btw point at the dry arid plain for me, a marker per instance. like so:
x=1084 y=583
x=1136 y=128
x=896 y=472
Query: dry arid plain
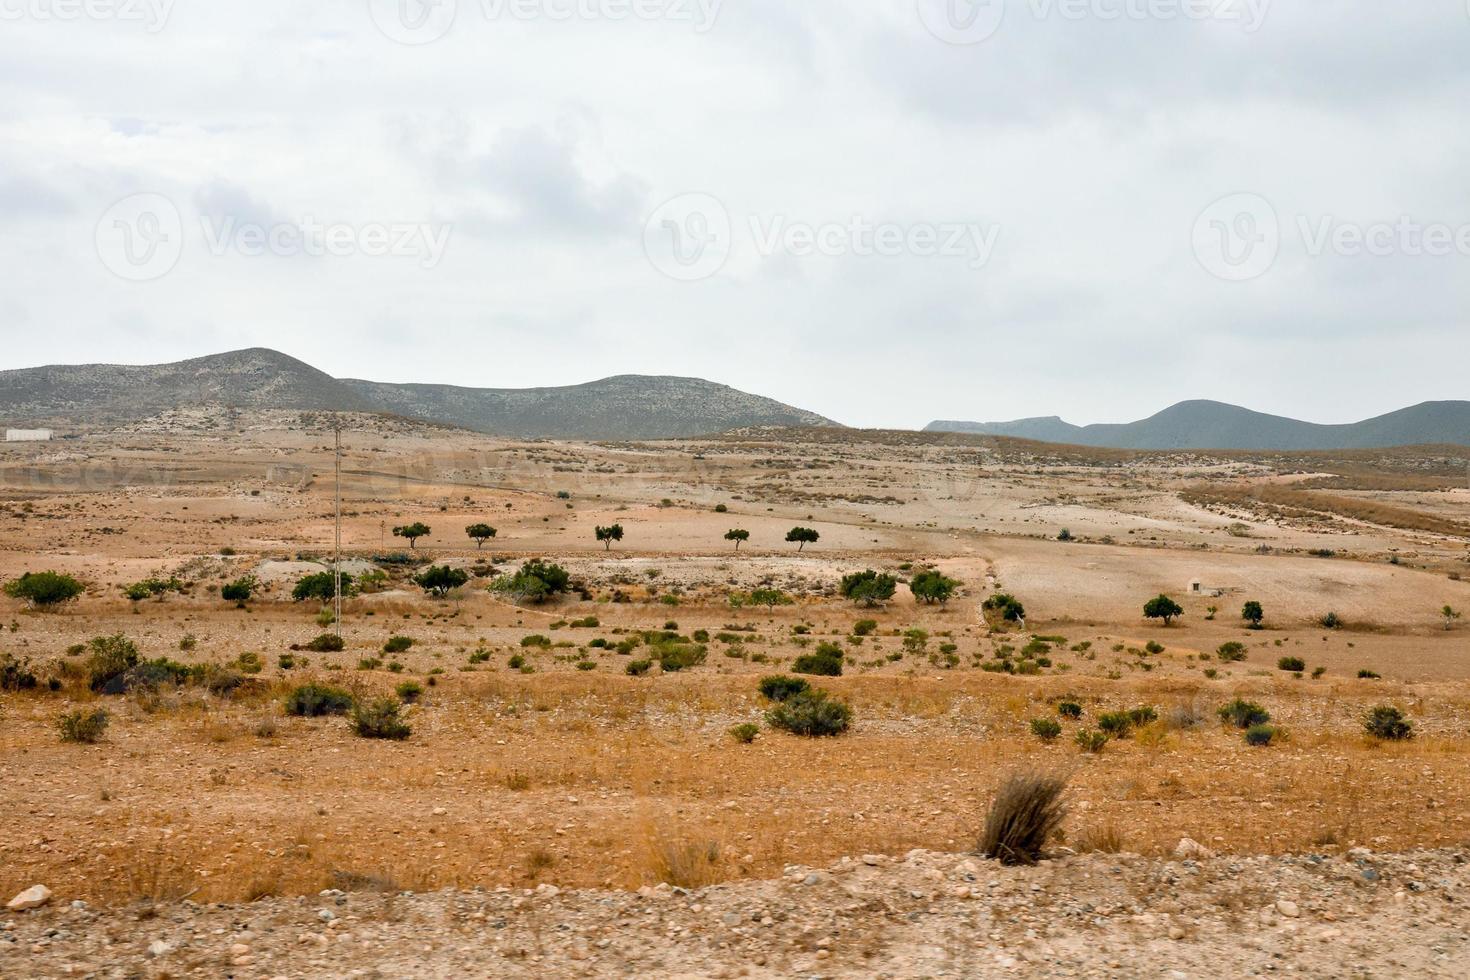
x=551 y=813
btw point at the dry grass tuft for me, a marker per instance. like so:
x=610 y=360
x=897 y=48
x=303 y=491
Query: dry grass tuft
x=1026 y=813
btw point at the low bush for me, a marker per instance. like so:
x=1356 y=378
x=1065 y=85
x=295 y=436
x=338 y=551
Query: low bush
x=826 y=661
x=637 y=668
x=1026 y=813
x=674 y=657
x=315 y=700
x=812 y=713
x=1261 y=735
x=1243 y=714
x=1069 y=709
x=1045 y=729
x=111 y=657
x=1293 y=664
x=1116 y=723
x=779 y=687
x=379 y=719
x=16 y=674
x=326 y=643
x=745 y=733
x=865 y=627
x=1387 y=722
x=1089 y=740
x=82 y=727
x=409 y=691
x=1231 y=652
x=1368 y=675
x=398 y=644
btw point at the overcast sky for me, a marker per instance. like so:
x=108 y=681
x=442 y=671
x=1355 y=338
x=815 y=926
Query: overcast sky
x=886 y=211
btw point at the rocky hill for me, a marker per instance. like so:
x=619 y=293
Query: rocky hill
x=1215 y=425
x=626 y=407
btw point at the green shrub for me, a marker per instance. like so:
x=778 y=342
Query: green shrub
x=516 y=662
x=1243 y=714
x=398 y=644
x=745 y=733
x=869 y=587
x=865 y=627
x=1069 y=709
x=379 y=719
x=82 y=727
x=111 y=657
x=440 y=580
x=1154 y=647
x=1045 y=729
x=321 y=586
x=1294 y=664
x=409 y=691
x=240 y=591
x=44 y=589
x=811 y=713
x=1261 y=735
x=326 y=643
x=637 y=668
x=778 y=687
x=316 y=700
x=536 y=582
x=1387 y=722
x=1331 y=621
x=1143 y=716
x=1089 y=740
x=1368 y=675
x=16 y=674
x=1231 y=651
x=674 y=657
x=1116 y=723
x=825 y=661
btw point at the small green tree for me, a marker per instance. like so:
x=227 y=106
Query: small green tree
x=1008 y=606
x=868 y=588
x=321 y=586
x=738 y=535
x=240 y=591
x=44 y=589
x=932 y=586
x=480 y=533
x=536 y=582
x=1252 y=613
x=607 y=535
x=802 y=536
x=412 y=532
x=770 y=598
x=1450 y=614
x=1162 y=607
x=440 y=580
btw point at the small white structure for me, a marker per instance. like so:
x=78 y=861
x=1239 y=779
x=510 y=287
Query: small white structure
x=27 y=435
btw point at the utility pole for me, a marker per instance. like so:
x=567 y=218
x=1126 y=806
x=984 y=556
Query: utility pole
x=337 y=543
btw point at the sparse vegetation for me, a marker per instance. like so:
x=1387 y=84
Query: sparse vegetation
x=811 y=713
x=1024 y=816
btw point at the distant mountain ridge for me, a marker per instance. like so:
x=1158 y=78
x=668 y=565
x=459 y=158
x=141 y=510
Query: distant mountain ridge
x=1215 y=425
x=624 y=407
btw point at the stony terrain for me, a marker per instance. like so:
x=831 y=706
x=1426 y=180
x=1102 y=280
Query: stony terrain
x=538 y=771
x=922 y=914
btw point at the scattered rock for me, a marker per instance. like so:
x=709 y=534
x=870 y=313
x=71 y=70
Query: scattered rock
x=32 y=898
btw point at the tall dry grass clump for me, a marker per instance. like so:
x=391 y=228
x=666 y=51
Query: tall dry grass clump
x=1026 y=813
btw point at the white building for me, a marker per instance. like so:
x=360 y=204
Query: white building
x=27 y=435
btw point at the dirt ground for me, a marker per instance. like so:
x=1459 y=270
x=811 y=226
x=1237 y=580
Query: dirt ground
x=565 y=772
